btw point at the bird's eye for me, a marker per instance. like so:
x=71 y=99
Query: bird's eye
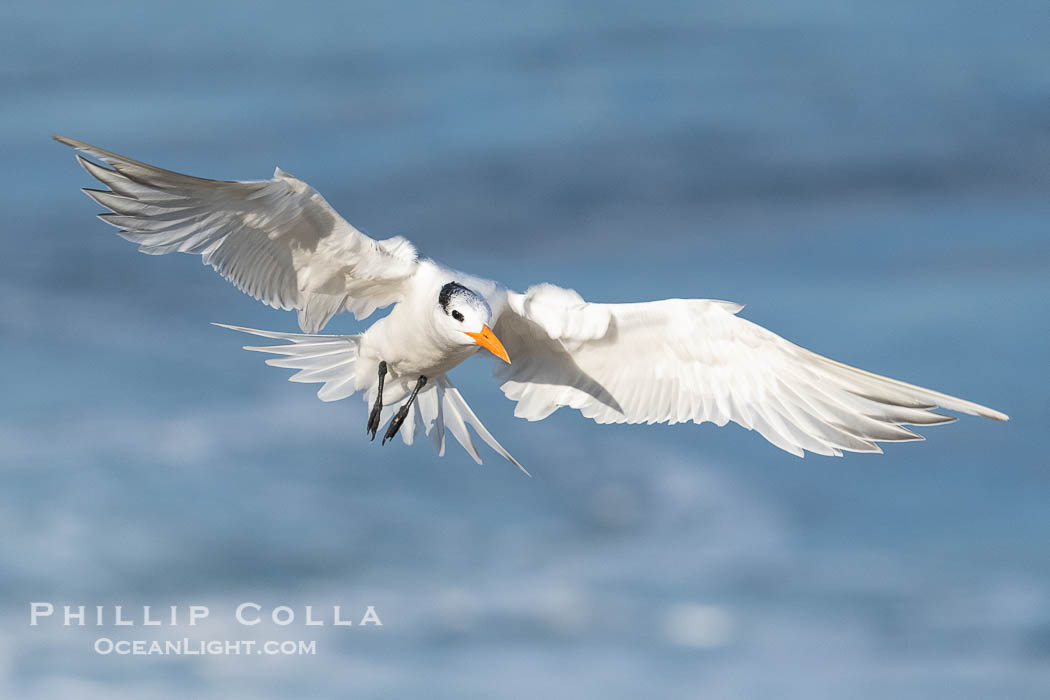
x=458 y=316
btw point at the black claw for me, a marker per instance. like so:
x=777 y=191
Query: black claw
x=395 y=424
x=402 y=413
x=373 y=421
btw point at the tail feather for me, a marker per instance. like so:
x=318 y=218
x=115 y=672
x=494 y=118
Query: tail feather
x=332 y=360
x=327 y=359
x=455 y=401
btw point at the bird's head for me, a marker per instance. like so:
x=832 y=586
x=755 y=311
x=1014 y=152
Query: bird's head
x=464 y=315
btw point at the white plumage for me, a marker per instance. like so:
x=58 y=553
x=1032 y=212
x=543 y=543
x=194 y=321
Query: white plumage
x=277 y=240
x=669 y=361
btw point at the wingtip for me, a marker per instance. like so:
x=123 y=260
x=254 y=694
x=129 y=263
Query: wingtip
x=72 y=143
x=976 y=409
x=985 y=412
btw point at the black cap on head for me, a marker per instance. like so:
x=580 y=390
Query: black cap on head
x=452 y=289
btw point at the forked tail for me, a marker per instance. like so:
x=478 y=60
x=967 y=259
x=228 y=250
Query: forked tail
x=332 y=360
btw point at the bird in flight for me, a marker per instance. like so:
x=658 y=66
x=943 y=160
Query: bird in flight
x=668 y=361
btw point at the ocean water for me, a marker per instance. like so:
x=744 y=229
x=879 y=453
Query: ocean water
x=870 y=179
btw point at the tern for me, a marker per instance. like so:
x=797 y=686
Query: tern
x=668 y=361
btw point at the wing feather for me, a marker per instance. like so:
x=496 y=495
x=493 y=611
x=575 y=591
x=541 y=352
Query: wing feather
x=695 y=360
x=277 y=240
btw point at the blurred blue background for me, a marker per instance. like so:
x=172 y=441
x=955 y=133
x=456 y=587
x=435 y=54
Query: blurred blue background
x=871 y=179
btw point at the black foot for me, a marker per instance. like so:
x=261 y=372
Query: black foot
x=377 y=409
x=402 y=413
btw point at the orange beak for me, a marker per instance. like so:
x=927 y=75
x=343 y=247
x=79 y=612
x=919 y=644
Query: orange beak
x=488 y=340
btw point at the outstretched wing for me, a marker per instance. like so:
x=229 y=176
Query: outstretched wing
x=695 y=360
x=277 y=240
x=332 y=360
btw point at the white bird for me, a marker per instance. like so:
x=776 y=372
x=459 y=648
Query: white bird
x=668 y=361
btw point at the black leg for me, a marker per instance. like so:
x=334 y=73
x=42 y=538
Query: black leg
x=377 y=409
x=399 y=417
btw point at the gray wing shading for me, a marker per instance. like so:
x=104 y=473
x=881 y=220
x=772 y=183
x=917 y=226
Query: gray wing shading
x=695 y=360
x=277 y=240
